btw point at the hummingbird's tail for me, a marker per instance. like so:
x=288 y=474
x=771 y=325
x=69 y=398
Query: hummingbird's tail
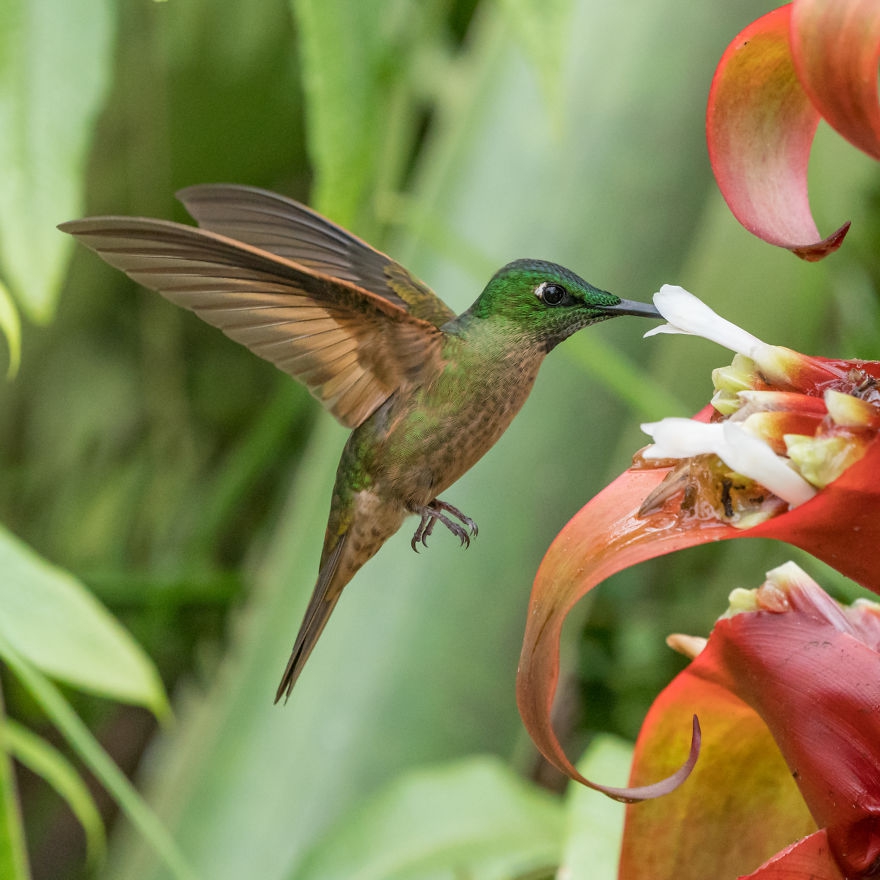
x=324 y=598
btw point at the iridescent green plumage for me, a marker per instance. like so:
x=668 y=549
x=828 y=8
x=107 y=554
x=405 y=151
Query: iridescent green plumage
x=425 y=392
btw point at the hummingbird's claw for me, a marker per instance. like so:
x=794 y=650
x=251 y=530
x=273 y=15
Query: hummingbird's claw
x=420 y=535
x=423 y=532
x=436 y=512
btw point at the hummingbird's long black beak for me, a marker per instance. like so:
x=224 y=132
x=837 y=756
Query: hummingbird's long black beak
x=631 y=307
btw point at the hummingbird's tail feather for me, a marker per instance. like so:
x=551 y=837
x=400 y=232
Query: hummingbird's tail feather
x=317 y=614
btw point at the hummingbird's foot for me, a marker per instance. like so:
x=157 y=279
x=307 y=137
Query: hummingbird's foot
x=436 y=512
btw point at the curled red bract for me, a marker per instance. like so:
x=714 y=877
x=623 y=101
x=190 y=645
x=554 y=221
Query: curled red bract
x=807 y=60
x=840 y=525
x=608 y=535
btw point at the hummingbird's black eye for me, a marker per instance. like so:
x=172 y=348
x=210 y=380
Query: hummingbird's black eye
x=551 y=293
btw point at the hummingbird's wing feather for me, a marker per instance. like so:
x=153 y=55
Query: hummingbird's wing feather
x=351 y=347
x=284 y=227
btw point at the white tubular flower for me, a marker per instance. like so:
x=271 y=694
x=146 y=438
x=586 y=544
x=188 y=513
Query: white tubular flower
x=689 y=315
x=779 y=365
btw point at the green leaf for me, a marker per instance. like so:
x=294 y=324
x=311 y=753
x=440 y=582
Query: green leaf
x=54 y=66
x=595 y=823
x=10 y=327
x=473 y=818
x=13 y=854
x=348 y=64
x=45 y=760
x=80 y=739
x=53 y=621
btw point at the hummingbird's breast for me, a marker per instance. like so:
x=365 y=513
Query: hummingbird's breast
x=429 y=437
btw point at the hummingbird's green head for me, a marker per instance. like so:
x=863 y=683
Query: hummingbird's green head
x=548 y=302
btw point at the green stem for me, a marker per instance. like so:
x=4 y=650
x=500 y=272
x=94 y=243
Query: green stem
x=13 y=853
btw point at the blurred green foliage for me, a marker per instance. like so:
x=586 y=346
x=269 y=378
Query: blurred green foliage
x=186 y=483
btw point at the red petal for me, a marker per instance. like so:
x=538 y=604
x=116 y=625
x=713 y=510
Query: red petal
x=739 y=807
x=772 y=427
x=840 y=526
x=836 y=49
x=760 y=126
x=604 y=538
x=808 y=859
x=805 y=671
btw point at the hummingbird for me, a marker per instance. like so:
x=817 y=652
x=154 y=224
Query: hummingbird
x=425 y=392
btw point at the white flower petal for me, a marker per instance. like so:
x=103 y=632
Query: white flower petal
x=687 y=314
x=681 y=438
x=736 y=447
x=665 y=328
x=753 y=458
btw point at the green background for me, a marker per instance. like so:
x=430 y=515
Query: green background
x=186 y=484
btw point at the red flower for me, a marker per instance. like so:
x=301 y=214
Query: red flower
x=787 y=689
x=832 y=510
x=808 y=60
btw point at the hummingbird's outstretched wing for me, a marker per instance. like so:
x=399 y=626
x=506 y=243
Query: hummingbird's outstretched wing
x=352 y=347
x=284 y=227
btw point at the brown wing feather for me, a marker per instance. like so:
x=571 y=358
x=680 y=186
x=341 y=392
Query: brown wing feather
x=284 y=227
x=351 y=347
